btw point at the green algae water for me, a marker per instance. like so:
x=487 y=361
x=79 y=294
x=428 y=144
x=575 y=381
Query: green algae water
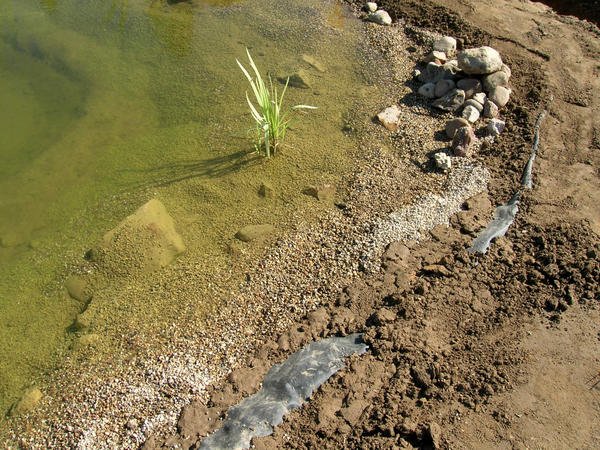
x=106 y=104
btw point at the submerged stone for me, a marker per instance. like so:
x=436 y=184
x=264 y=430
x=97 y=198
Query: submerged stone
x=143 y=242
x=253 y=232
x=28 y=401
x=78 y=289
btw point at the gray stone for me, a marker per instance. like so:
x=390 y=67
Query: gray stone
x=500 y=96
x=442 y=87
x=380 y=17
x=455 y=124
x=452 y=101
x=371 y=7
x=471 y=86
x=389 y=117
x=506 y=70
x=491 y=81
x=470 y=113
x=463 y=142
x=427 y=90
x=442 y=161
x=254 y=232
x=495 y=127
x=490 y=109
x=475 y=104
x=479 y=61
x=434 y=72
x=446 y=44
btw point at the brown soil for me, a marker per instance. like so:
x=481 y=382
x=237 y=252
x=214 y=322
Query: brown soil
x=500 y=351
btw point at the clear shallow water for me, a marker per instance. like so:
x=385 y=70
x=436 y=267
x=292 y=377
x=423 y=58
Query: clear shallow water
x=109 y=103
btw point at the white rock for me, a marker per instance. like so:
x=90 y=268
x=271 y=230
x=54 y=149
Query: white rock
x=427 y=90
x=380 y=17
x=371 y=6
x=495 y=127
x=446 y=44
x=416 y=73
x=475 y=104
x=480 y=98
x=479 y=61
x=389 y=117
x=470 y=113
x=506 y=70
x=442 y=161
x=500 y=96
x=442 y=87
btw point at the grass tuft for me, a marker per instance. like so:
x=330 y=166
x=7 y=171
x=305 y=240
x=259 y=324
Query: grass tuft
x=271 y=122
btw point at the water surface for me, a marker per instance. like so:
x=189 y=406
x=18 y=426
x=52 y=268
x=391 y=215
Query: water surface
x=106 y=104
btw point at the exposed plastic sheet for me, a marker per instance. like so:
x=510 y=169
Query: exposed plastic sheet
x=285 y=387
x=503 y=218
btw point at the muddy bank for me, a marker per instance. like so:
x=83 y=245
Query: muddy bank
x=499 y=351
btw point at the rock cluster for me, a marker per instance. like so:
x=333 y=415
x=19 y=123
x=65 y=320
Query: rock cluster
x=472 y=83
x=377 y=15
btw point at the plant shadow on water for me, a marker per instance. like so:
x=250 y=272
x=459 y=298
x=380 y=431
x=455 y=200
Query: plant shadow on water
x=177 y=171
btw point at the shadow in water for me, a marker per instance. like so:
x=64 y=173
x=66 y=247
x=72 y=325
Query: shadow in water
x=175 y=172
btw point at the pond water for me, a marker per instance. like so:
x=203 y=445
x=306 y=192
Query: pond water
x=107 y=103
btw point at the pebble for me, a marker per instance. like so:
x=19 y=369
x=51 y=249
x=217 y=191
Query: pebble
x=442 y=161
x=446 y=44
x=479 y=61
x=475 y=104
x=436 y=56
x=500 y=96
x=389 y=116
x=495 y=127
x=471 y=113
x=266 y=190
x=462 y=144
x=442 y=87
x=371 y=7
x=491 y=81
x=380 y=17
x=471 y=86
x=506 y=70
x=452 y=101
x=480 y=98
x=323 y=193
x=454 y=124
x=428 y=90
x=490 y=109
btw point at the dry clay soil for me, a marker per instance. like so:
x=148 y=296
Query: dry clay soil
x=500 y=351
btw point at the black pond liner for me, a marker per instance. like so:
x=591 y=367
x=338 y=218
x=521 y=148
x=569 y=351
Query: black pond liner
x=285 y=387
x=504 y=215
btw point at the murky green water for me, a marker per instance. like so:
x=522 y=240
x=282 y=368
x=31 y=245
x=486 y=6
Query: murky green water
x=107 y=103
